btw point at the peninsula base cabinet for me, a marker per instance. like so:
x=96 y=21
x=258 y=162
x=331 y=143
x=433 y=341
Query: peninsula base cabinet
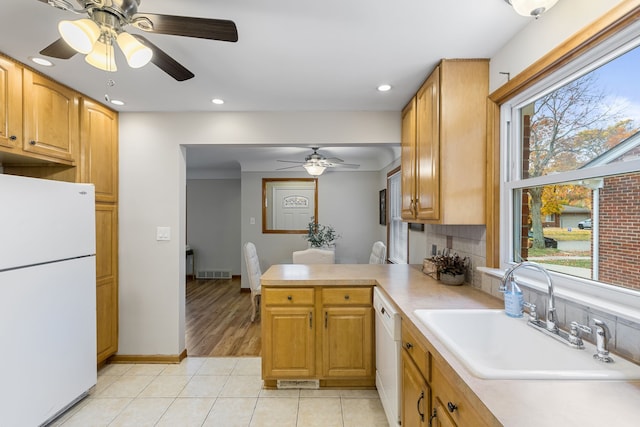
x=318 y=333
x=430 y=396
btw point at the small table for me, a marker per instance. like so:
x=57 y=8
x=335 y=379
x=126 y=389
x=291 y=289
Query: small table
x=191 y=254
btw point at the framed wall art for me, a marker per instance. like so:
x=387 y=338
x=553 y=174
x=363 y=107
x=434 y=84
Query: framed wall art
x=383 y=207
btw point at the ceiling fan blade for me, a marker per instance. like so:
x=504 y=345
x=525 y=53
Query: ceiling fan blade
x=291 y=161
x=64 y=5
x=346 y=165
x=203 y=28
x=165 y=62
x=289 y=167
x=59 y=49
x=334 y=159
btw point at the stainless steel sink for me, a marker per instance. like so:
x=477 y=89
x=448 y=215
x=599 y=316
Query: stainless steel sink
x=494 y=346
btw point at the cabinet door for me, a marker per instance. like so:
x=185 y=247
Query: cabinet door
x=347 y=342
x=288 y=342
x=408 y=159
x=428 y=148
x=440 y=416
x=106 y=280
x=50 y=119
x=456 y=404
x=415 y=395
x=99 y=149
x=10 y=104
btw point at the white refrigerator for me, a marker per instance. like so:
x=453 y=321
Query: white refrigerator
x=47 y=298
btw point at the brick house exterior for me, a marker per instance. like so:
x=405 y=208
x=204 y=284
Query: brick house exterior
x=619 y=231
x=619 y=219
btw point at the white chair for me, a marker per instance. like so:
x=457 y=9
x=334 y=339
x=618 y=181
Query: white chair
x=378 y=253
x=253 y=269
x=314 y=256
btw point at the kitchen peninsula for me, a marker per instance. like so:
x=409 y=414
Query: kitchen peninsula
x=488 y=402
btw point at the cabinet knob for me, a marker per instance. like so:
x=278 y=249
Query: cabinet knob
x=32 y=142
x=451 y=406
x=289 y=297
x=408 y=346
x=346 y=297
x=13 y=137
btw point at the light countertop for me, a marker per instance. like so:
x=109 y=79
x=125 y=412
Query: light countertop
x=510 y=402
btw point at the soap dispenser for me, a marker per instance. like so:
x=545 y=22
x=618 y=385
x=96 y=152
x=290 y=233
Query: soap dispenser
x=513 y=300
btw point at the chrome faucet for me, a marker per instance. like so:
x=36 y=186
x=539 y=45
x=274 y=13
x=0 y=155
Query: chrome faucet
x=551 y=323
x=602 y=337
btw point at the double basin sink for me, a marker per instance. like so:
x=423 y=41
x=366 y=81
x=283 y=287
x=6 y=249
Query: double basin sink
x=494 y=346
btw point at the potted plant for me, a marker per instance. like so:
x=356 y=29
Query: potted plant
x=320 y=236
x=450 y=268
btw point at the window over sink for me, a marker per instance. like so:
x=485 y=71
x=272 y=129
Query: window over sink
x=570 y=146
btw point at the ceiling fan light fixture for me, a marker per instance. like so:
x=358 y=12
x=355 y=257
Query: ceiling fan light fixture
x=314 y=169
x=533 y=8
x=137 y=54
x=102 y=56
x=81 y=34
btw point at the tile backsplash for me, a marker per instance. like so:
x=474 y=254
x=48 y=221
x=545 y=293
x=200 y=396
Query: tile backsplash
x=465 y=240
x=470 y=240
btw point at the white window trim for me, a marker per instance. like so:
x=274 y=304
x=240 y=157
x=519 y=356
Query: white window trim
x=618 y=301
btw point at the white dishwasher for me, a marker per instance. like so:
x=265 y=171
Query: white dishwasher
x=388 y=347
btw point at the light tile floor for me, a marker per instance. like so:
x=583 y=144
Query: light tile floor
x=214 y=391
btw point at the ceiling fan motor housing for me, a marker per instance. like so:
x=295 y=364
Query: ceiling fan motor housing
x=123 y=10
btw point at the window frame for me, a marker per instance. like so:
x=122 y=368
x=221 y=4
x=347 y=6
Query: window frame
x=613 y=299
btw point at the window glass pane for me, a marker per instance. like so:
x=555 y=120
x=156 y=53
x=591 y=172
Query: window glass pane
x=595 y=232
x=398 y=230
x=585 y=123
x=576 y=199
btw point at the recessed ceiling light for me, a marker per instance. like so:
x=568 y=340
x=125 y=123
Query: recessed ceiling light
x=217 y=101
x=117 y=102
x=41 y=61
x=384 y=88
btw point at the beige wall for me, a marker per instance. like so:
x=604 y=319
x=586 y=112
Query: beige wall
x=152 y=176
x=152 y=194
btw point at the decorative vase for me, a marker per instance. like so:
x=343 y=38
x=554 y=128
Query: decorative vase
x=449 y=279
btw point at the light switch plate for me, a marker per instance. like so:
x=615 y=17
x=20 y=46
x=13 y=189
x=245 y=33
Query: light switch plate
x=163 y=233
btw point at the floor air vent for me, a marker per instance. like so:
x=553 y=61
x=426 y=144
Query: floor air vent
x=306 y=384
x=213 y=274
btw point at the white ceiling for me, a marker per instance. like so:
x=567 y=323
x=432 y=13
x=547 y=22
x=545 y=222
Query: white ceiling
x=292 y=55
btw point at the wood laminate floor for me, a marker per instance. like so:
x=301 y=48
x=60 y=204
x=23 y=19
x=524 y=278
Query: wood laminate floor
x=218 y=319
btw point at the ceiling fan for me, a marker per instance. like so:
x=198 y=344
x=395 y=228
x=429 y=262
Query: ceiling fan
x=316 y=163
x=105 y=26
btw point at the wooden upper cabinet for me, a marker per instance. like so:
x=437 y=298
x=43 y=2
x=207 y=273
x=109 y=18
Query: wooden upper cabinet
x=444 y=180
x=50 y=117
x=464 y=89
x=408 y=159
x=420 y=153
x=99 y=149
x=428 y=148
x=10 y=104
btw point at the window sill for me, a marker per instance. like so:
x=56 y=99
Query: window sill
x=620 y=302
